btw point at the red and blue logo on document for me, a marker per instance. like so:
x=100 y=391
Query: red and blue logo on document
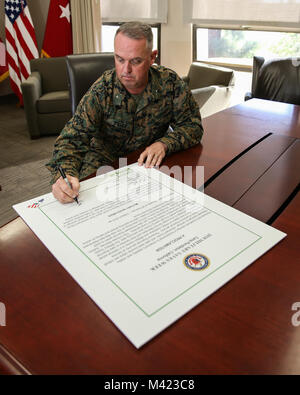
x=196 y=261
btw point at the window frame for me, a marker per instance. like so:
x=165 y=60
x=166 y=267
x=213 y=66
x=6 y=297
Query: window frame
x=155 y=25
x=232 y=65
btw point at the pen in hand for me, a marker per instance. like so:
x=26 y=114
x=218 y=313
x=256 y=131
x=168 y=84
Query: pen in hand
x=62 y=173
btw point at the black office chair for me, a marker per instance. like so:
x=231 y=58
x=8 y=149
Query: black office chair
x=276 y=79
x=83 y=70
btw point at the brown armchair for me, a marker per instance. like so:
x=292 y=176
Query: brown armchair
x=211 y=87
x=46 y=97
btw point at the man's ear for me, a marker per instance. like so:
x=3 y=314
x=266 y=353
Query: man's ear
x=153 y=56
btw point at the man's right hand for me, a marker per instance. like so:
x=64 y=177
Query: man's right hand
x=62 y=192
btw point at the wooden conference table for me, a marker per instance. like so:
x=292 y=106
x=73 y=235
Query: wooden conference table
x=251 y=156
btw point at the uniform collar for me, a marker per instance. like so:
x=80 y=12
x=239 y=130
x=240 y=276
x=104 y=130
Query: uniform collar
x=150 y=94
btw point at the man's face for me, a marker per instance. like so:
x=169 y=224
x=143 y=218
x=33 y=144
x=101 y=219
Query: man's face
x=133 y=60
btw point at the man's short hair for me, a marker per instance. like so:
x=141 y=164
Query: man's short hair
x=137 y=31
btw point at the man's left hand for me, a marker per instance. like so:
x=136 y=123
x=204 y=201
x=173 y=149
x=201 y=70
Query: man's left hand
x=154 y=154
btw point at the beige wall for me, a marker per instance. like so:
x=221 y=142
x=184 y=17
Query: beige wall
x=39 y=11
x=176 y=40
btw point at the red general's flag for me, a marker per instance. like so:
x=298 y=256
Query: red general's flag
x=58 y=33
x=3 y=64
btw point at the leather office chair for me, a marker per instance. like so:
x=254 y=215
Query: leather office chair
x=275 y=79
x=211 y=87
x=83 y=71
x=46 y=97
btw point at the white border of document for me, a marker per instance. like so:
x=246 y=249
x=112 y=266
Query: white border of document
x=142 y=308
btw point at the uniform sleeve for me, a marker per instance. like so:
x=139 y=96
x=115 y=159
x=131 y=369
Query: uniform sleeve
x=186 y=126
x=73 y=143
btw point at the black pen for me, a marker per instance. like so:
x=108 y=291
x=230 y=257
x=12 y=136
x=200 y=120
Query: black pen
x=62 y=173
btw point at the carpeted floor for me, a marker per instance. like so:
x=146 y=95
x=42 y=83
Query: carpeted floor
x=22 y=161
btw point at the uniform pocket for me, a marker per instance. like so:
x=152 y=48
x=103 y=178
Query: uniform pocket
x=116 y=131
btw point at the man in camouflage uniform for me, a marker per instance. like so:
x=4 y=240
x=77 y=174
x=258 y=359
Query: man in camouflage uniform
x=128 y=107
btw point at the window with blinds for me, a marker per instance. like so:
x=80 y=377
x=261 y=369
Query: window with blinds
x=231 y=32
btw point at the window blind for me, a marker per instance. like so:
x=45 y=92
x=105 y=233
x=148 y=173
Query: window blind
x=150 y=11
x=243 y=13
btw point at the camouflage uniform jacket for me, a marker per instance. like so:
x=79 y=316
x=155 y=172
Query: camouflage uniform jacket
x=108 y=123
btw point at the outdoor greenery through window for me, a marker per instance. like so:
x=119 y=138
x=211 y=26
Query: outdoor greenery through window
x=239 y=46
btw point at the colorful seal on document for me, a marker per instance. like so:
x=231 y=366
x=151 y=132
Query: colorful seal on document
x=196 y=261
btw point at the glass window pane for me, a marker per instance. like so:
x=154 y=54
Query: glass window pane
x=107 y=37
x=240 y=46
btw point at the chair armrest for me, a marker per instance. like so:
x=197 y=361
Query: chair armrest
x=32 y=87
x=32 y=91
x=248 y=96
x=212 y=99
x=201 y=95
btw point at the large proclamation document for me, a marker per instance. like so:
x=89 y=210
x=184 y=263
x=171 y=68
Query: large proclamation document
x=146 y=247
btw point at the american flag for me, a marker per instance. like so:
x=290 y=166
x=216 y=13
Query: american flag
x=3 y=64
x=21 y=45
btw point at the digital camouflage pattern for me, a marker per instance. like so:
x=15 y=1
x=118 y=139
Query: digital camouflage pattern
x=109 y=122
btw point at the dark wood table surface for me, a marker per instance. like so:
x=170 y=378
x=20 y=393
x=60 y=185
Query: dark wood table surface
x=250 y=155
